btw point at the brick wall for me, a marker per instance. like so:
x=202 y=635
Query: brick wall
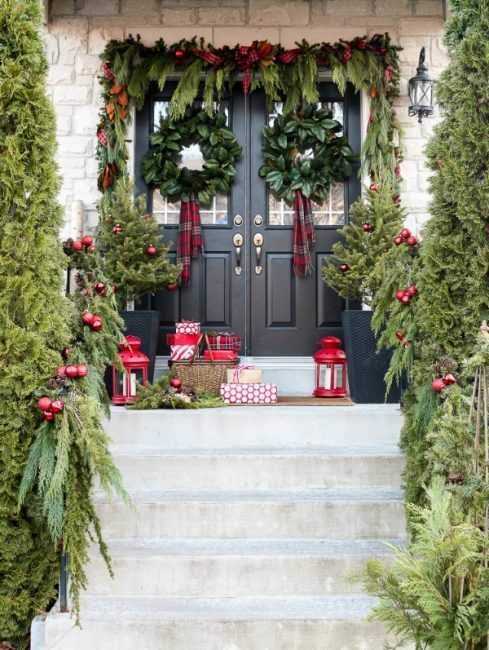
x=78 y=30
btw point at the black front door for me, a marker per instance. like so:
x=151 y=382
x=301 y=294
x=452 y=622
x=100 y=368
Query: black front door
x=244 y=282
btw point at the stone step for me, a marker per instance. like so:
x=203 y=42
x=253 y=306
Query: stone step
x=233 y=568
x=258 y=469
x=298 y=623
x=337 y=514
x=255 y=427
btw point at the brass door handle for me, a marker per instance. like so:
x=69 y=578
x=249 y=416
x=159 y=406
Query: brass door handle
x=238 y=243
x=258 y=243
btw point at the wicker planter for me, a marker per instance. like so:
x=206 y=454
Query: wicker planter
x=366 y=365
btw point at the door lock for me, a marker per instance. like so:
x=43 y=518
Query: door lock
x=258 y=243
x=258 y=220
x=238 y=220
x=238 y=243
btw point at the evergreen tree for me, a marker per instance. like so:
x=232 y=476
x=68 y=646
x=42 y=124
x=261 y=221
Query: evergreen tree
x=33 y=313
x=374 y=221
x=135 y=259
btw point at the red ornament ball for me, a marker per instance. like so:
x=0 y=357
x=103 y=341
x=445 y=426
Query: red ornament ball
x=87 y=318
x=399 y=294
x=173 y=286
x=176 y=383
x=344 y=268
x=71 y=372
x=437 y=385
x=179 y=54
x=374 y=187
x=100 y=288
x=97 y=324
x=47 y=416
x=151 y=250
x=57 y=406
x=87 y=241
x=61 y=371
x=449 y=379
x=117 y=229
x=398 y=241
x=81 y=370
x=44 y=403
x=405 y=299
x=400 y=335
x=405 y=234
x=411 y=241
x=412 y=291
x=77 y=245
x=367 y=227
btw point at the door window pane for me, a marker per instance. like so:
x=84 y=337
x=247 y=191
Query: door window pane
x=332 y=211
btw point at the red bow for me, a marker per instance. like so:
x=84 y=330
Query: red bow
x=209 y=57
x=248 y=55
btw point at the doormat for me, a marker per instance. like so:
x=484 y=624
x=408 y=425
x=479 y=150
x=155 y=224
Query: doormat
x=304 y=400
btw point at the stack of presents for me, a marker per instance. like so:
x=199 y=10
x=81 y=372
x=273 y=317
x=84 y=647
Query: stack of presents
x=243 y=383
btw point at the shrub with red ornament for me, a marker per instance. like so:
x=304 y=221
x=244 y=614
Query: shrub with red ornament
x=440 y=383
x=49 y=408
x=405 y=296
x=93 y=321
x=405 y=237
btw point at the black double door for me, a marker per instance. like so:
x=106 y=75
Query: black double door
x=244 y=282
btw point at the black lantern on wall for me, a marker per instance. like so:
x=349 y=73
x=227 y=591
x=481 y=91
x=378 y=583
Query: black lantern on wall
x=421 y=90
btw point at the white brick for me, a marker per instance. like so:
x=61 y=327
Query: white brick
x=393 y=8
x=72 y=95
x=221 y=16
x=149 y=35
x=51 y=47
x=87 y=64
x=85 y=120
x=98 y=38
x=439 y=54
x=73 y=168
x=72 y=35
x=97 y=7
x=60 y=74
x=289 y=35
x=140 y=8
x=179 y=16
x=63 y=124
x=421 y=26
x=349 y=7
x=85 y=190
x=62 y=7
x=264 y=12
x=429 y=8
x=74 y=145
x=92 y=168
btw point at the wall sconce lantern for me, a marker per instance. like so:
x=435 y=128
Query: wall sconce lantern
x=421 y=90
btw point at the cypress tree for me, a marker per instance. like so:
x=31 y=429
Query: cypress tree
x=33 y=312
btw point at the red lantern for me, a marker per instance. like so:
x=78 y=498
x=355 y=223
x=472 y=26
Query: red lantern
x=331 y=369
x=136 y=365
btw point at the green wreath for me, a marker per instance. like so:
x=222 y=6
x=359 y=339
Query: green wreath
x=304 y=152
x=220 y=150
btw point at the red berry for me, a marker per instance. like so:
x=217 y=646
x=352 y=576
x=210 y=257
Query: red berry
x=87 y=241
x=374 y=187
x=97 y=324
x=87 y=318
x=411 y=241
x=81 y=370
x=367 y=227
x=405 y=299
x=61 y=371
x=44 y=403
x=449 y=379
x=57 y=406
x=437 y=385
x=344 y=268
x=173 y=286
x=71 y=372
x=77 y=245
x=151 y=250
x=398 y=241
x=412 y=291
x=48 y=416
x=405 y=233
x=399 y=294
x=175 y=382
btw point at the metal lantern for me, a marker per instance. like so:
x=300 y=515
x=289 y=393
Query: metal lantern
x=135 y=364
x=421 y=90
x=331 y=369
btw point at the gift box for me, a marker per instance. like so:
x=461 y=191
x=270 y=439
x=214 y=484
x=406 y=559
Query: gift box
x=244 y=375
x=225 y=341
x=249 y=393
x=187 y=327
x=220 y=355
x=184 y=346
x=182 y=339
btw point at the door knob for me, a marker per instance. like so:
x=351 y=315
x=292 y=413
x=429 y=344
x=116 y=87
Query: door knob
x=238 y=243
x=258 y=243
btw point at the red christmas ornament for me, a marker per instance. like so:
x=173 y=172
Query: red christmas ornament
x=179 y=54
x=367 y=227
x=48 y=416
x=176 y=383
x=61 y=371
x=347 y=54
x=100 y=288
x=398 y=241
x=344 y=268
x=81 y=370
x=44 y=403
x=411 y=241
x=173 y=286
x=437 y=385
x=77 y=245
x=412 y=291
x=117 y=229
x=405 y=299
x=449 y=379
x=97 y=324
x=374 y=187
x=405 y=233
x=87 y=241
x=400 y=335
x=151 y=250
x=399 y=294
x=71 y=372
x=57 y=406
x=87 y=318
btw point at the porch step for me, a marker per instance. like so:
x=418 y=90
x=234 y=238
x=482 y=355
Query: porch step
x=241 y=469
x=338 y=514
x=236 y=568
x=298 y=623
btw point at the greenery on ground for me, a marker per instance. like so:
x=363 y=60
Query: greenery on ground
x=162 y=395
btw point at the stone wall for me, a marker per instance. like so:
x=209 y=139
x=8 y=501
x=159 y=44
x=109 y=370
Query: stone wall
x=78 y=30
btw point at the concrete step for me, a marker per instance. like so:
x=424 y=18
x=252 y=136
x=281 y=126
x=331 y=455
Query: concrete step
x=258 y=469
x=186 y=568
x=257 y=427
x=327 y=623
x=336 y=514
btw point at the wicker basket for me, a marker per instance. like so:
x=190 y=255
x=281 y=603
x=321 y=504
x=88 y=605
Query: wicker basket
x=202 y=375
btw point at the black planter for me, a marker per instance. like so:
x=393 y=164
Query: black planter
x=366 y=365
x=146 y=325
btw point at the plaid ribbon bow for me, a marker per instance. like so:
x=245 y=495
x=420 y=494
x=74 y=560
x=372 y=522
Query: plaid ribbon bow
x=189 y=238
x=304 y=235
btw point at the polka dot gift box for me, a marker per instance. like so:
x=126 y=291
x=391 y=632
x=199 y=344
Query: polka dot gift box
x=187 y=327
x=249 y=393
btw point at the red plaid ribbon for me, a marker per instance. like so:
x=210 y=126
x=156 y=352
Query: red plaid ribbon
x=304 y=235
x=189 y=238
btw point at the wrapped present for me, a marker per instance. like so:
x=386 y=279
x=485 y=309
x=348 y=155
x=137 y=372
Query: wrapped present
x=187 y=327
x=220 y=355
x=249 y=393
x=244 y=374
x=225 y=341
x=182 y=339
x=185 y=347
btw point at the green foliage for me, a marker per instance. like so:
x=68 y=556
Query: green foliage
x=33 y=314
x=160 y=395
x=288 y=166
x=126 y=263
x=362 y=250
x=220 y=151
x=436 y=592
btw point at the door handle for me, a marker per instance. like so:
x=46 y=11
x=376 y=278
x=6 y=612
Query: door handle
x=258 y=243
x=238 y=243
